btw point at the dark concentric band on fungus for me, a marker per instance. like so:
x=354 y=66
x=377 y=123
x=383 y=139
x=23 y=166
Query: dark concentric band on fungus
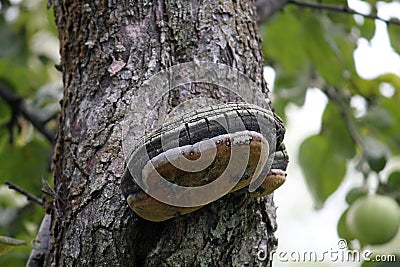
x=212 y=123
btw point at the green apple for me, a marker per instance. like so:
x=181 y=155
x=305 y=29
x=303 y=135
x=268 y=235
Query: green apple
x=373 y=219
x=342 y=228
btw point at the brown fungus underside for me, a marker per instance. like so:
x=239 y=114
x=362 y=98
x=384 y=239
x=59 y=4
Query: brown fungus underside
x=235 y=129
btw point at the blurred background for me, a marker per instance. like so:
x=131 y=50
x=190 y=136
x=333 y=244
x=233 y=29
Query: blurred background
x=334 y=70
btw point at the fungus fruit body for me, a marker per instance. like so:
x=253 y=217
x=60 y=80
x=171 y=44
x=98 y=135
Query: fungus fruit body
x=197 y=159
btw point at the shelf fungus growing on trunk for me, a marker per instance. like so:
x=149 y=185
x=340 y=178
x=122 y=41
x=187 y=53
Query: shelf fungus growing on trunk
x=201 y=156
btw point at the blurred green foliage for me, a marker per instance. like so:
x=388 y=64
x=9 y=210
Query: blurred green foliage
x=315 y=48
x=306 y=47
x=28 y=52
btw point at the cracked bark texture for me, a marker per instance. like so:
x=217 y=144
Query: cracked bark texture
x=108 y=48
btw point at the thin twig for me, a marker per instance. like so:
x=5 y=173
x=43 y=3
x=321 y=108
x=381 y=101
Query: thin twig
x=48 y=190
x=342 y=9
x=16 y=102
x=28 y=195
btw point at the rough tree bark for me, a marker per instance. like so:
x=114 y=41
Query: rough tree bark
x=92 y=224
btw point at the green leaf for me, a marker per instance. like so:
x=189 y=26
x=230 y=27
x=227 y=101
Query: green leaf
x=291 y=87
x=379 y=117
x=8 y=243
x=394 y=179
x=25 y=165
x=15 y=76
x=334 y=128
x=284 y=41
x=4 y=138
x=323 y=167
x=12 y=43
x=355 y=193
x=394 y=35
x=342 y=20
x=5 y=113
x=359 y=86
x=385 y=128
x=345 y=49
x=319 y=48
x=367 y=30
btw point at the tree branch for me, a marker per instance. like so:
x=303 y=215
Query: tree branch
x=342 y=9
x=17 y=104
x=28 y=195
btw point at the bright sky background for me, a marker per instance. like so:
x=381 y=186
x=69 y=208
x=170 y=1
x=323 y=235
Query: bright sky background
x=300 y=227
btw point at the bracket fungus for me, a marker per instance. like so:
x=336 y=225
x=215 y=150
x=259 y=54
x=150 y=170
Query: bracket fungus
x=203 y=155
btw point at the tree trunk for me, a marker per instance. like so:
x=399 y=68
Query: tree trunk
x=108 y=49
